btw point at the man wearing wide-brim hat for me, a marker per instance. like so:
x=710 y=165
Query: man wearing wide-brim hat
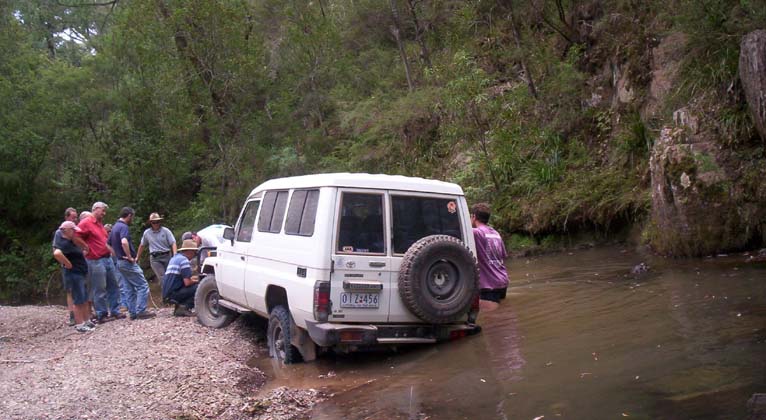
x=161 y=244
x=178 y=284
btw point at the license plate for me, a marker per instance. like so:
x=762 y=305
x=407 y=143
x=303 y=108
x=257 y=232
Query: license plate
x=359 y=300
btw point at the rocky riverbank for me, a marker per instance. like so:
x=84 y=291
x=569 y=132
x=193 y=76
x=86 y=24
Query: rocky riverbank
x=160 y=368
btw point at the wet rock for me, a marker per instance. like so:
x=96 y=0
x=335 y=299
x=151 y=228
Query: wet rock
x=752 y=73
x=756 y=407
x=639 y=269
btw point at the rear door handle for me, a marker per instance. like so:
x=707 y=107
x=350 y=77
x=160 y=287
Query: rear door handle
x=377 y=264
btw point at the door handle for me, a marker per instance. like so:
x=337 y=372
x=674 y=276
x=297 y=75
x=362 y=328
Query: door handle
x=377 y=264
x=242 y=257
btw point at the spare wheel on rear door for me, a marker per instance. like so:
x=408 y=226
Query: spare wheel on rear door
x=438 y=279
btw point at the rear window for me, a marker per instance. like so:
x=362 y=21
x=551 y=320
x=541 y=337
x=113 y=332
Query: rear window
x=418 y=217
x=361 y=224
x=272 y=211
x=302 y=213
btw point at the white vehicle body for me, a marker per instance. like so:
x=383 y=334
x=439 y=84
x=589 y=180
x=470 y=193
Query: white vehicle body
x=293 y=234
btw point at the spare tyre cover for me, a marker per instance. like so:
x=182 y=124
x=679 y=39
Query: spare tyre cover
x=438 y=279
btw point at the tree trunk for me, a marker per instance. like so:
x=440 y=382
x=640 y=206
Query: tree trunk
x=517 y=41
x=424 y=54
x=396 y=31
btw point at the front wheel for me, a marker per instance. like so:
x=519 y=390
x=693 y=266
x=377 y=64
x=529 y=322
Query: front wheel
x=279 y=334
x=209 y=312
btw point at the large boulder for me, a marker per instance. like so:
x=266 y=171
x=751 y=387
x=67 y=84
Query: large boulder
x=752 y=73
x=705 y=198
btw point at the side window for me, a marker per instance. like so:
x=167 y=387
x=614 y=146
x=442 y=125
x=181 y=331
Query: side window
x=274 y=204
x=361 y=224
x=302 y=212
x=417 y=217
x=247 y=222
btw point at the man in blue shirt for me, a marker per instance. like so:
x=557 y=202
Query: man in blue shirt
x=138 y=288
x=178 y=284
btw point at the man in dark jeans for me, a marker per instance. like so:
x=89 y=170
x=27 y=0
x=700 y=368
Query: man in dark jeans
x=178 y=284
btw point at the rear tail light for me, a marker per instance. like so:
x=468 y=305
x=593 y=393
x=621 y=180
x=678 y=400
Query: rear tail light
x=474 y=312
x=457 y=334
x=350 y=336
x=322 y=305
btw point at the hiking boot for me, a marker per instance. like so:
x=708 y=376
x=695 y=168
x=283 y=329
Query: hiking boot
x=143 y=315
x=89 y=324
x=102 y=319
x=71 y=319
x=119 y=315
x=182 y=310
x=83 y=328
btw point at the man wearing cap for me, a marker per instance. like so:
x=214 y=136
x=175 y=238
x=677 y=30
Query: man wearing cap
x=138 y=289
x=161 y=243
x=106 y=290
x=74 y=268
x=179 y=284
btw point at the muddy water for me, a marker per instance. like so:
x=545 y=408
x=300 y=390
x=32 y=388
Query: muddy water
x=578 y=337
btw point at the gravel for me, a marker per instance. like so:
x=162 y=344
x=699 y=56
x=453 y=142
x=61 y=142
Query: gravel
x=165 y=367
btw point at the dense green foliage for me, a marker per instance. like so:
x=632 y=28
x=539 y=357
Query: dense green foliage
x=182 y=107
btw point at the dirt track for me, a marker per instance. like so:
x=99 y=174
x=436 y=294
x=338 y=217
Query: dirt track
x=159 y=368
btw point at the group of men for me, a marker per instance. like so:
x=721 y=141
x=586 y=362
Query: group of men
x=100 y=268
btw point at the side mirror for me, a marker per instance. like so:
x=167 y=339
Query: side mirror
x=228 y=233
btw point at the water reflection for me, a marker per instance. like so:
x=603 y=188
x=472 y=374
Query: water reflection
x=578 y=337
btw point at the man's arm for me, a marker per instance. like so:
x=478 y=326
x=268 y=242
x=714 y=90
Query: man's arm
x=188 y=281
x=140 y=251
x=126 y=249
x=81 y=243
x=63 y=260
x=175 y=248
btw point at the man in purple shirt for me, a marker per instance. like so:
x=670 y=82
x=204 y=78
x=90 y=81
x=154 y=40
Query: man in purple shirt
x=490 y=252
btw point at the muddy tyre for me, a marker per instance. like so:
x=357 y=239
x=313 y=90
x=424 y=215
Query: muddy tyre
x=209 y=312
x=279 y=334
x=438 y=279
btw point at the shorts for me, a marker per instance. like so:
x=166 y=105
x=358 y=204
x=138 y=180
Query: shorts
x=74 y=283
x=493 y=295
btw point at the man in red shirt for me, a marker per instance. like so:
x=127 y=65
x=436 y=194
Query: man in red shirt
x=106 y=290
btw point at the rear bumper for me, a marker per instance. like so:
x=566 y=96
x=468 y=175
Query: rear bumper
x=327 y=334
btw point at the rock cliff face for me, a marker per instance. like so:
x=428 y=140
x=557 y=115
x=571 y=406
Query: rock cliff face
x=752 y=73
x=709 y=196
x=699 y=205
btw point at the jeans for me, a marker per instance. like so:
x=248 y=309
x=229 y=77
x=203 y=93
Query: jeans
x=159 y=265
x=123 y=285
x=106 y=290
x=138 y=289
x=185 y=295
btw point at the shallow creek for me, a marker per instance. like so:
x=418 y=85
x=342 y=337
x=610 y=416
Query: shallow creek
x=578 y=337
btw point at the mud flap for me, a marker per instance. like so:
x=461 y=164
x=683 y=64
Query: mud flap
x=301 y=340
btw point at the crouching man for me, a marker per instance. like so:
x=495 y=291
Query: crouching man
x=178 y=284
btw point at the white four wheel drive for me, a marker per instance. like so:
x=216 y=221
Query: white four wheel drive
x=346 y=261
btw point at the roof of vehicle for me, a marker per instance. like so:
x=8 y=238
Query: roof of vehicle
x=361 y=180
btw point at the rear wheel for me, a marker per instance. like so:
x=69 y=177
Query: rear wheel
x=209 y=312
x=438 y=279
x=280 y=334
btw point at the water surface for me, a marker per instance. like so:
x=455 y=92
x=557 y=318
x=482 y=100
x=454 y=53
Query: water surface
x=578 y=337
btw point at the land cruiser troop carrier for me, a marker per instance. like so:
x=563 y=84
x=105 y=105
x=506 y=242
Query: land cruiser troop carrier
x=346 y=261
